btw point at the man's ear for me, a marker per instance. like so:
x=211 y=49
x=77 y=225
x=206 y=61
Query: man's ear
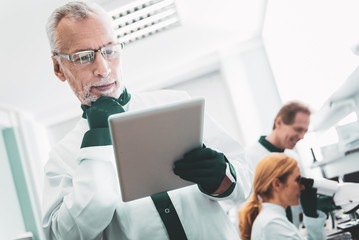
x=57 y=69
x=278 y=122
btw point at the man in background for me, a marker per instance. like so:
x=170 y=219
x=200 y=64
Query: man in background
x=290 y=125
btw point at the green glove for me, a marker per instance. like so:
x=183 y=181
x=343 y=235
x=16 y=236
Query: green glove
x=308 y=200
x=99 y=111
x=97 y=116
x=203 y=166
x=326 y=204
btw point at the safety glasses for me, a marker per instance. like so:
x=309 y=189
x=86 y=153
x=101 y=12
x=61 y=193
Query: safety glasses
x=88 y=56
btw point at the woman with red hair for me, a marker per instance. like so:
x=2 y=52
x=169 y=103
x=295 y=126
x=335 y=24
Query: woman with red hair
x=276 y=186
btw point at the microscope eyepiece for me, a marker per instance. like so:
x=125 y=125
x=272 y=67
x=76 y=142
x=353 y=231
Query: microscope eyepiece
x=307 y=182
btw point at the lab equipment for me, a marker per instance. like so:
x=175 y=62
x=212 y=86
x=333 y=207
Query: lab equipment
x=345 y=195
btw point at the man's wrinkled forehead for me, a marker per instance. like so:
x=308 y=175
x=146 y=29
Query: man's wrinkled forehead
x=65 y=24
x=69 y=35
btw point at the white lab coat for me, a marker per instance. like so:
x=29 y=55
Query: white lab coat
x=256 y=152
x=82 y=196
x=272 y=223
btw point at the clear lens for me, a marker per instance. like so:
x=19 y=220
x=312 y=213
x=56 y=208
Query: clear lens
x=82 y=58
x=111 y=51
x=87 y=57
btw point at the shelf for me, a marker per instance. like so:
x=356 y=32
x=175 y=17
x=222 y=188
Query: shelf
x=339 y=104
x=340 y=164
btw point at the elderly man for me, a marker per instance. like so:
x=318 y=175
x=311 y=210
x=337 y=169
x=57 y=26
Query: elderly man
x=81 y=191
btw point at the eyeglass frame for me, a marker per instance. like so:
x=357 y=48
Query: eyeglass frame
x=69 y=57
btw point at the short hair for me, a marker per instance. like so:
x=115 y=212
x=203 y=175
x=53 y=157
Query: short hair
x=289 y=110
x=77 y=10
x=274 y=166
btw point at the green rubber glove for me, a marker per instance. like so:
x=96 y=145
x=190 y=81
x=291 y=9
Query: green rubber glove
x=326 y=204
x=308 y=200
x=203 y=166
x=99 y=111
x=97 y=117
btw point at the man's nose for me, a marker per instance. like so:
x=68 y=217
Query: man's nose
x=102 y=68
x=301 y=135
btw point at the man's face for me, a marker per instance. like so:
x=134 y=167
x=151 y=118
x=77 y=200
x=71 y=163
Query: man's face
x=102 y=77
x=290 y=134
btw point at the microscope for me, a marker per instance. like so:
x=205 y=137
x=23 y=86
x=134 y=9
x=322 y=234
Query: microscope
x=345 y=195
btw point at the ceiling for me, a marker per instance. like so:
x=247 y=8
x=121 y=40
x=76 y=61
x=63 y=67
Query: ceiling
x=308 y=44
x=28 y=83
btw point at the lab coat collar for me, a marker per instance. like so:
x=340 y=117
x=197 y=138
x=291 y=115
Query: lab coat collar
x=268 y=145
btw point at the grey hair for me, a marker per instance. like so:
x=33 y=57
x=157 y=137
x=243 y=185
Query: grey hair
x=76 y=9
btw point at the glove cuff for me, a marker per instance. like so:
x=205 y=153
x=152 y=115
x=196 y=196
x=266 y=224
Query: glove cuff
x=225 y=194
x=96 y=137
x=231 y=174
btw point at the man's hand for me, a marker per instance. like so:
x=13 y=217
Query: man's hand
x=203 y=166
x=97 y=117
x=99 y=111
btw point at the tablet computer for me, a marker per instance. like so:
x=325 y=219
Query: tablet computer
x=147 y=142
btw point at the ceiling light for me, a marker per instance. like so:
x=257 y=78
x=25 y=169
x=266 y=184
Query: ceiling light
x=143 y=18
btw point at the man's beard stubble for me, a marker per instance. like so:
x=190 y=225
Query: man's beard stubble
x=87 y=97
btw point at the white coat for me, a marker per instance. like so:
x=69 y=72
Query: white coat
x=272 y=223
x=256 y=152
x=82 y=196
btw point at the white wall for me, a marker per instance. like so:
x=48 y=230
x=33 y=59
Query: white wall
x=221 y=106
x=27 y=80
x=309 y=46
x=254 y=92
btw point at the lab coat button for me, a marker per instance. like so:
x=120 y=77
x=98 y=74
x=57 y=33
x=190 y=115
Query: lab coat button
x=167 y=210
